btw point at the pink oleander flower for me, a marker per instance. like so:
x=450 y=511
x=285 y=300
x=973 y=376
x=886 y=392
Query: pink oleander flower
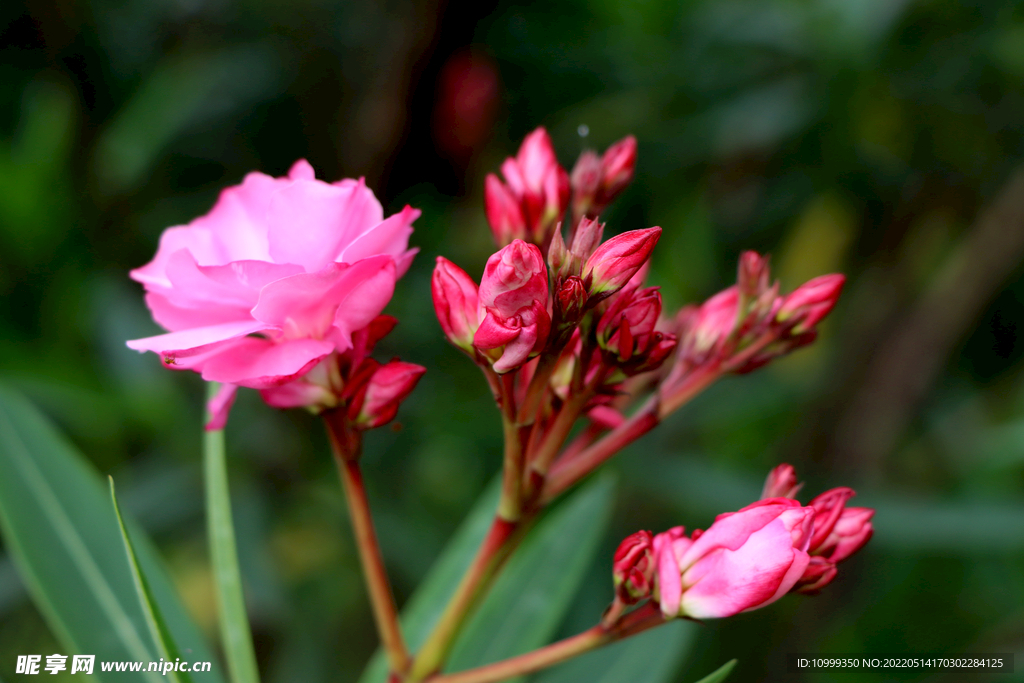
x=597 y=181
x=616 y=261
x=513 y=301
x=633 y=567
x=533 y=197
x=744 y=561
x=456 y=303
x=279 y=275
x=837 y=531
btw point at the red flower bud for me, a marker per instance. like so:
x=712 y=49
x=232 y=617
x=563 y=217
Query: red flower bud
x=513 y=298
x=586 y=184
x=627 y=331
x=753 y=275
x=781 y=483
x=633 y=567
x=616 y=261
x=819 y=573
x=617 y=165
x=503 y=212
x=537 y=184
x=571 y=300
x=385 y=390
x=811 y=302
x=586 y=239
x=456 y=303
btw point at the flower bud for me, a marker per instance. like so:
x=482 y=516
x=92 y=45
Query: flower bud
x=706 y=329
x=571 y=300
x=389 y=385
x=627 y=325
x=504 y=213
x=586 y=239
x=513 y=299
x=828 y=506
x=781 y=483
x=752 y=276
x=617 y=166
x=745 y=560
x=558 y=255
x=616 y=261
x=819 y=573
x=811 y=302
x=585 y=180
x=852 y=530
x=633 y=567
x=536 y=184
x=456 y=303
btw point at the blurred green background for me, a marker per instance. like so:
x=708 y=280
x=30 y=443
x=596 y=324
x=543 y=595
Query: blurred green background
x=878 y=138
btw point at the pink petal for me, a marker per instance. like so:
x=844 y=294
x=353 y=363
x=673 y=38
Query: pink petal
x=518 y=350
x=301 y=170
x=191 y=341
x=309 y=222
x=669 y=580
x=349 y=296
x=196 y=241
x=259 y=363
x=219 y=406
x=388 y=237
x=173 y=317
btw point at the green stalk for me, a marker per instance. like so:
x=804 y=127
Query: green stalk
x=236 y=638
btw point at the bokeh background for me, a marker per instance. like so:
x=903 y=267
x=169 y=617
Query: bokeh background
x=880 y=138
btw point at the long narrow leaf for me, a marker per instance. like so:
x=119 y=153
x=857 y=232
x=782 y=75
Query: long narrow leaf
x=154 y=619
x=719 y=674
x=234 y=623
x=61 y=532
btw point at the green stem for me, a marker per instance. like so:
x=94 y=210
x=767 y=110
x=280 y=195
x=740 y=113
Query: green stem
x=346 y=445
x=495 y=549
x=636 y=622
x=234 y=624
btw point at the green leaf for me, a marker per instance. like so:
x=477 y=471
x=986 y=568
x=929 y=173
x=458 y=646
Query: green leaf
x=529 y=599
x=236 y=638
x=61 y=531
x=651 y=657
x=158 y=631
x=719 y=674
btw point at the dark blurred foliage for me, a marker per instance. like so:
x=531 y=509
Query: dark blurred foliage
x=878 y=138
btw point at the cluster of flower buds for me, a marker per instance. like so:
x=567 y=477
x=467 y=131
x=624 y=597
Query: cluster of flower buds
x=535 y=194
x=746 y=559
x=530 y=203
x=749 y=324
x=839 y=531
x=597 y=180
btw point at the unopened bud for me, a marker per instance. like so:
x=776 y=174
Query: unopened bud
x=781 y=483
x=586 y=183
x=616 y=261
x=586 y=239
x=455 y=303
x=571 y=299
x=386 y=389
x=504 y=213
x=633 y=567
x=617 y=166
x=811 y=302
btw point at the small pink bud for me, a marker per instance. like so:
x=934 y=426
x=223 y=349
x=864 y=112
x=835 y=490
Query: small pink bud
x=536 y=185
x=753 y=275
x=811 y=302
x=514 y=277
x=571 y=300
x=558 y=254
x=852 y=530
x=616 y=261
x=386 y=389
x=586 y=239
x=456 y=303
x=617 y=165
x=586 y=179
x=503 y=212
x=633 y=567
x=705 y=329
x=627 y=325
x=819 y=573
x=513 y=303
x=828 y=507
x=781 y=483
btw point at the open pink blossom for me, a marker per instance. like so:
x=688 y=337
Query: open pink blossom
x=276 y=277
x=745 y=560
